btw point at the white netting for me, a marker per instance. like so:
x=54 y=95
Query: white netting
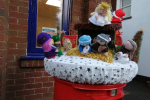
x=90 y=71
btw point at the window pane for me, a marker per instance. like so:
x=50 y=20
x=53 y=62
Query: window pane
x=126 y=2
x=127 y=10
x=49 y=17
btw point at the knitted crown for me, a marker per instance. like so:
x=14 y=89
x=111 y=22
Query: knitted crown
x=42 y=38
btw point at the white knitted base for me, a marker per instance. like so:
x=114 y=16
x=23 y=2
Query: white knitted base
x=90 y=71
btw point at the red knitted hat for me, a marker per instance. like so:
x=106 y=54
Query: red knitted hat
x=119 y=14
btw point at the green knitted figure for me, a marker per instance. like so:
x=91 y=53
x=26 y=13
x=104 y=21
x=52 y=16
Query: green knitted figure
x=57 y=43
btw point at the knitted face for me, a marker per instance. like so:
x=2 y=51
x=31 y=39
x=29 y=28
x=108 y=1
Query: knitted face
x=102 y=12
x=101 y=42
x=128 y=45
x=51 y=42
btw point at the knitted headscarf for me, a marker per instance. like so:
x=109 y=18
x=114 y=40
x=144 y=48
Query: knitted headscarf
x=133 y=49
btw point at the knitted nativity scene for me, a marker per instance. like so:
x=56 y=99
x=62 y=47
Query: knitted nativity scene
x=96 y=59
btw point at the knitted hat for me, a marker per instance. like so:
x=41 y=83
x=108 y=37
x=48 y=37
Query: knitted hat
x=84 y=39
x=56 y=38
x=42 y=38
x=104 y=37
x=119 y=14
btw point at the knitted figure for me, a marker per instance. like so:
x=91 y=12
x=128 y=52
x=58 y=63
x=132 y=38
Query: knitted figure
x=57 y=42
x=129 y=48
x=102 y=15
x=67 y=44
x=122 y=58
x=101 y=44
x=85 y=44
x=46 y=42
x=118 y=17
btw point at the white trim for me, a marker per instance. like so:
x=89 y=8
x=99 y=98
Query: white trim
x=84 y=41
x=103 y=38
x=116 y=15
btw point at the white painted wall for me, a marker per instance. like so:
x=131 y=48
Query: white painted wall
x=140 y=12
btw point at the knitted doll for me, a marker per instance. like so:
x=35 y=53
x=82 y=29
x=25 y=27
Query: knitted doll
x=101 y=44
x=57 y=42
x=46 y=42
x=85 y=44
x=129 y=48
x=102 y=15
x=118 y=17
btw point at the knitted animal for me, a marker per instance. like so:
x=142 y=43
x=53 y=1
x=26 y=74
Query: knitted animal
x=85 y=44
x=122 y=58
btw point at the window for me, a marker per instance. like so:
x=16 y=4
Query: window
x=126 y=7
x=46 y=17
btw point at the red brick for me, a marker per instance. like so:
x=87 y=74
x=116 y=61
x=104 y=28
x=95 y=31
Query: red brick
x=13 y=20
x=19 y=15
x=2 y=4
x=14 y=88
x=3 y=37
x=51 y=89
x=24 y=81
x=78 y=3
x=2 y=53
x=22 y=45
x=15 y=76
x=15 y=98
x=22 y=33
x=11 y=45
x=41 y=63
x=35 y=74
x=29 y=63
x=12 y=33
x=31 y=86
x=77 y=8
x=48 y=84
x=1 y=61
x=10 y=94
x=41 y=79
x=16 y=51
x=41 y=90
x=18 y=27
x=2 y=20
x=23 y=9
x=75 y=13
x=13 y=63
x=46 y=74
x=19 y=3
x=10 y=70
x=24 y=92
x=31 y=97
x=40 y=69
x=51 y=79
x=13 y=8
x=50 y=95
x=3 y=45
x=10 y=82
x=25 y=70
x=17 y=39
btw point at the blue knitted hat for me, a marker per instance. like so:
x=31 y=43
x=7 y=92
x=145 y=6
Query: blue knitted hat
x=42 y=38
x=84 y=39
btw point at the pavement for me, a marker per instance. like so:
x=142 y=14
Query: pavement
x=136 y=90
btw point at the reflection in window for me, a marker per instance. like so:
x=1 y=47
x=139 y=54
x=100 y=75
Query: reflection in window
x=126 y=7
x=49 y=16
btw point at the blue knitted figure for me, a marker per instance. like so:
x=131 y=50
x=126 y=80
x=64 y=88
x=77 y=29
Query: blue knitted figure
x=85 y=44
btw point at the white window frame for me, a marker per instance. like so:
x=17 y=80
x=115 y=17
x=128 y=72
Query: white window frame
x=121 y=6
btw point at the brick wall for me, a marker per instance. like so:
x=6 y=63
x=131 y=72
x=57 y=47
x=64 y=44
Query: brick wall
x=3 y=45
x=30 y=81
